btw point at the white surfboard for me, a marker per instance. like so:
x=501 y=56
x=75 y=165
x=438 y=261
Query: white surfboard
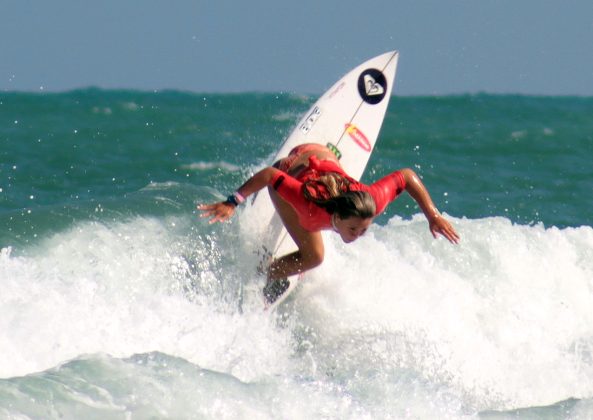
x=346 y=118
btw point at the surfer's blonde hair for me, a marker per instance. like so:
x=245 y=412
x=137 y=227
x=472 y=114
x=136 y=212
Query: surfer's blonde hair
x=338 y=198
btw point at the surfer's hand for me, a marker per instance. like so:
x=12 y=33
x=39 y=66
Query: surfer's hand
x=438 y=224
x=218 y=211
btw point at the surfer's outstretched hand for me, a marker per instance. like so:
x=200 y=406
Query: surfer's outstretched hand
x=219 y=212
x=439 y=224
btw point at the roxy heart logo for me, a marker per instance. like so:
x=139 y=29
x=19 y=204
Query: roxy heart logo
x=372 y=86
x=358 y=137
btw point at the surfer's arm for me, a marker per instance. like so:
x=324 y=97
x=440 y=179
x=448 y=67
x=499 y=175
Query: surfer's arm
x=437 y=223
x=219 y=212
x=258 y=181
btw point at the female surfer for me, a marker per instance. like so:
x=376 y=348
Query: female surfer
x=311 y=192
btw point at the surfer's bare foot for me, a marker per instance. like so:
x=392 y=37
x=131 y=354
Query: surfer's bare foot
x=274 y=289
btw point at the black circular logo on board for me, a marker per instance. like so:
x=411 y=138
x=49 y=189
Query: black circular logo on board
x=372 y=86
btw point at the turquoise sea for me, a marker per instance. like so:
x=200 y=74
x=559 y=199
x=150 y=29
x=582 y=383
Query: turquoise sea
x=119 y=302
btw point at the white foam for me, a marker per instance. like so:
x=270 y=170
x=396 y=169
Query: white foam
x=286 y=116
x=122 y=289
x=503 y=318
x=395 y=323
x=206 y=166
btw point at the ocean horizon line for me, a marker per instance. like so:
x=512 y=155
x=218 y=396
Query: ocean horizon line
x=93 y=88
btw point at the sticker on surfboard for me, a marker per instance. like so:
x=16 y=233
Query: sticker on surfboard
x=358 y=136
x=372 y=86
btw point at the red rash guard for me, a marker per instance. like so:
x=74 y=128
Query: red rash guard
x=314 y=218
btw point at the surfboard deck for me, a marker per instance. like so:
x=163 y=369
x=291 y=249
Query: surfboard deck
x=347 y=118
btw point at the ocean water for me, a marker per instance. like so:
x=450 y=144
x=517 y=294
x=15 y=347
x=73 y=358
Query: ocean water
x=119 y=302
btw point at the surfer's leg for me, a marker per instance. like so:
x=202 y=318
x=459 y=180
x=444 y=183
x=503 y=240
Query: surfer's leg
x=311 y=251
x=298 y=158
x=287 y=163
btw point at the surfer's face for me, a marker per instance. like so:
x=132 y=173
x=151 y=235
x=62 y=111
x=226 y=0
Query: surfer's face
x=352 y=228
